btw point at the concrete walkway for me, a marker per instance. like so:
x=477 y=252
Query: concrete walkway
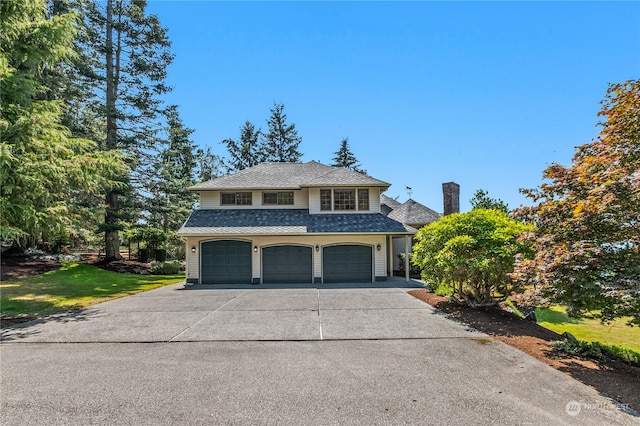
x=292 y=355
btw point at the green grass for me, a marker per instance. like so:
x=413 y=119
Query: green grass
x=73 y=286
x=590 y=330
x=513 y=307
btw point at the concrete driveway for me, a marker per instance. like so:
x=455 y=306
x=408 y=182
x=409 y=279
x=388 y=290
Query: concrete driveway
x=257 y=355
x=181 y=313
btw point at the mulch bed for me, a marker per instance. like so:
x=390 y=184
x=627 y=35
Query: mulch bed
x=612 y=378
x=13 y=268
x=122 y=266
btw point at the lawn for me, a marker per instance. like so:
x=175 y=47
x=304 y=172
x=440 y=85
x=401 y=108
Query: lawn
x=73 y=286
x=590 y=330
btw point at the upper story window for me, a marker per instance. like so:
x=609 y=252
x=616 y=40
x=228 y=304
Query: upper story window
x=236 y=198
x=363 y=199
x=283 y=198
x=325 y=199
x=344 y=199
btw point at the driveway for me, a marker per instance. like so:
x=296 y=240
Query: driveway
x=296 y=355
x=179 y=313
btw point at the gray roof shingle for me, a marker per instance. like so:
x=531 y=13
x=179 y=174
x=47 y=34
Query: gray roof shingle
x=413 y=213
x=287 y=221
x=387 y=204
x=289 y=176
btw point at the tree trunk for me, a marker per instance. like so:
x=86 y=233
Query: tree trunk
x=111 y=237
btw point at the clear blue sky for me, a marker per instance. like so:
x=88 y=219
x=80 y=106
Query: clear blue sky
x=483 y=94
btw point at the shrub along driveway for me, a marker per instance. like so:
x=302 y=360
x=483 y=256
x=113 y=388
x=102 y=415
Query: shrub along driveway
x=279 y=355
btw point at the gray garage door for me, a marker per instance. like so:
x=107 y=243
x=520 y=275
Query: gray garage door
x=226 y=262
x=287 y=264
x=348 y=263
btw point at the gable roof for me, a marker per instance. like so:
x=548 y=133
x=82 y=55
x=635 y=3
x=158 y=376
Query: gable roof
x=413 y=213
x=287 y=221
x=289 y=176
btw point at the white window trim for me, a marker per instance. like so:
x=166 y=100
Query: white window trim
x=333 y=204
x=236 y=198
x=277 y=203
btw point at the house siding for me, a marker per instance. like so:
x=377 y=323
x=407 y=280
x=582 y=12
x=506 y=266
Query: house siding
x=379 y=261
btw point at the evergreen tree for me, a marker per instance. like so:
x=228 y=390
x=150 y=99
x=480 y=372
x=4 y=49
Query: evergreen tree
x=74 y=80
x=481 y=200
x=131 y=52
x=208 y=165
x=346 y=159
x=43 y=169
x=245 y=153
x=281 y=143
x=170 y=202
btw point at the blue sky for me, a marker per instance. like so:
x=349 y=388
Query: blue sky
x=486 y=94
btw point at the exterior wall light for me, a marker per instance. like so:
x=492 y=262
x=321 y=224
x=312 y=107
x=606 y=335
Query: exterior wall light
x=255 y=249
x=193 y=249
x=378 y=247
x=317 y=247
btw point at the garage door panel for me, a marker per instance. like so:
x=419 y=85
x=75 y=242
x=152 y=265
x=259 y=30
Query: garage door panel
x=287 y=264
x=226 y=262
x=347 y=263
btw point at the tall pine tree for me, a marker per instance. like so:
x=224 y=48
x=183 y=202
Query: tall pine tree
x=43 y=168
x=246 y=152
x=345 y=158
x=281 y=143
x=170 y=202
x=132 y=54
x=208 y=164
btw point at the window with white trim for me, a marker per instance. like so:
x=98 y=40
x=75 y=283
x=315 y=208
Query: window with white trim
x=325 y=199
x=344 y=199
x=363 y=199
x=236 y=198
x=282 y=198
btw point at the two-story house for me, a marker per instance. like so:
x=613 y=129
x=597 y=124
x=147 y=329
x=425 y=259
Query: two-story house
x=290 y=223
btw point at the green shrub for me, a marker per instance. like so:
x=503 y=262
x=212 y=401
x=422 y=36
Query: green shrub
x=413 y=268
x=176 y=248
x=597 y=350
x=442 y=290
x=473 y=254
x=166 y=268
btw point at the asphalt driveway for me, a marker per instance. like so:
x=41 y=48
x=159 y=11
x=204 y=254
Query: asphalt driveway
x=297 y=355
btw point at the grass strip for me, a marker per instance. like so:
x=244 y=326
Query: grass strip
x=616 y=333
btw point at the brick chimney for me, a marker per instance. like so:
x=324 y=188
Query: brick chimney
x=451 y=194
